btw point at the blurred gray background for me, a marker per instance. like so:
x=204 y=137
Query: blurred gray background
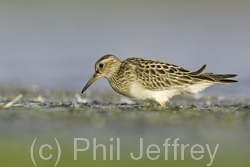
x=55 y=43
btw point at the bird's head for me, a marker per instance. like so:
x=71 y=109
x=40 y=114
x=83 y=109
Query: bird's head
x=106 y=66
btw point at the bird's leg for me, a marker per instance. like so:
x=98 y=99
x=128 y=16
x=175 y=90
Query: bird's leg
x=163 y=104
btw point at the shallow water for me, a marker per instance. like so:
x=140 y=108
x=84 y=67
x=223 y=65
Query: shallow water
x=107 y=118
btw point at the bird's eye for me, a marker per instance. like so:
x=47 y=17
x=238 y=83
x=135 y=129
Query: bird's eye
x=101 y=65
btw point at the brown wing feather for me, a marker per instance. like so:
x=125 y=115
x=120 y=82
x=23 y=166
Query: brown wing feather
x=200 y=71
x=158 y=75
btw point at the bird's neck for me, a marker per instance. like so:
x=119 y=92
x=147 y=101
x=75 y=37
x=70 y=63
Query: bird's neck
x=117 y=82
x=114 y=78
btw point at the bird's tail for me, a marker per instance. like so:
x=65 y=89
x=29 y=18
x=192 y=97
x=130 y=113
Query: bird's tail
x=211 y=77
x=222 y=78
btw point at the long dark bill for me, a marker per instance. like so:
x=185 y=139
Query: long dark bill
x=91 y=80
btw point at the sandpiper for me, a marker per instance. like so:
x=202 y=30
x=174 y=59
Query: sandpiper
x=153 y=80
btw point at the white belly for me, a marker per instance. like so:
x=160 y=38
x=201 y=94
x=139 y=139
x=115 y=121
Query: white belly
x=162 y=96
